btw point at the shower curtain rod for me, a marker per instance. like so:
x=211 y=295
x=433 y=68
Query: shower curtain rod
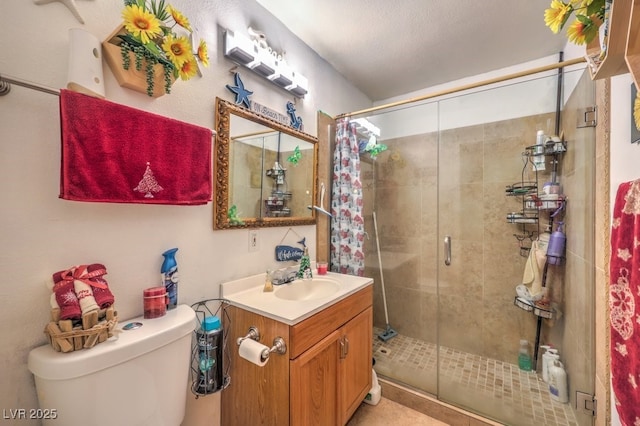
x=466 y=86
x=6 y=82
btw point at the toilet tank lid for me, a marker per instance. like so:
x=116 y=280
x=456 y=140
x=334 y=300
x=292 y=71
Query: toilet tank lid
x=46 y=363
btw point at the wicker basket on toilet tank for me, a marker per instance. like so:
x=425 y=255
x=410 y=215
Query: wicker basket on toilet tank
x=69 y=335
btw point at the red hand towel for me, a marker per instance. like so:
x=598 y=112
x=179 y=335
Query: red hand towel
x=66 y=295
x=104 y=297
x=624 y=302
x=114 y=153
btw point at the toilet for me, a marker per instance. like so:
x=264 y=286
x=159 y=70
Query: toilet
x=138 y=377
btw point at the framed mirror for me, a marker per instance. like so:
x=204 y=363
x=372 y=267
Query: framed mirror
x=265 y=171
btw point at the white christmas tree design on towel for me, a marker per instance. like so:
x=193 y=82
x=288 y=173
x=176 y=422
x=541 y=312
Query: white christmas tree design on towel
x=148 y=184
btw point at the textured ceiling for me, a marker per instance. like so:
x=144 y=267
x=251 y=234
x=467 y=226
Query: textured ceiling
x=388 y=48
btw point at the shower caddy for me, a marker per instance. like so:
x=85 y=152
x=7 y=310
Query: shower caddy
x=276 y=204
x=533 y=205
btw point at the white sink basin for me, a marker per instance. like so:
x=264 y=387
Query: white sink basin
x=291 y=303
x=313 y=289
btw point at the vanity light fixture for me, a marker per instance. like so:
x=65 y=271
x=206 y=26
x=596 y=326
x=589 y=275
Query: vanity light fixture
x=300 y=86
x=264 y=62
x=283 y=76
x=239 y=48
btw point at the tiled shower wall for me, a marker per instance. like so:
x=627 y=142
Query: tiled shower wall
x=476 y=292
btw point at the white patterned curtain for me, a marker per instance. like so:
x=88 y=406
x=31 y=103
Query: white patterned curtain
x=347 y=225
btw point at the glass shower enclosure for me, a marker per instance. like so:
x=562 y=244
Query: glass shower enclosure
x=445 y=176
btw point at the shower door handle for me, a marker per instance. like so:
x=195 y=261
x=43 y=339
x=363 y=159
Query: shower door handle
x=447 y=250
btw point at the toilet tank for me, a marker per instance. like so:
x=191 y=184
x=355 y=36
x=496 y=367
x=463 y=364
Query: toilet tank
x=139 y=377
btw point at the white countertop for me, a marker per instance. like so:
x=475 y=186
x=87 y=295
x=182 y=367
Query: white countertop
x=247 y=293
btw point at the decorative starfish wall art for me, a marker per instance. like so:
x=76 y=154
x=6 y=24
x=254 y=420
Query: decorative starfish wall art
x=242 y=94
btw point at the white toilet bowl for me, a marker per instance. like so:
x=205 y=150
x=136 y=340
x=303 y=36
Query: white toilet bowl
x=138 y=377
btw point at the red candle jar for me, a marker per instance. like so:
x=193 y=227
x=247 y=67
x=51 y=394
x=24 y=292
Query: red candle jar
x=322 y=268
x=155 y=302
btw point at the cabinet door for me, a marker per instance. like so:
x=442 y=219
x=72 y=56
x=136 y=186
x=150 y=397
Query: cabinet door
x=314 y=387
x=355 y=363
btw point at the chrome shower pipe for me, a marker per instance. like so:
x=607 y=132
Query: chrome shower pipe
x=321 y=210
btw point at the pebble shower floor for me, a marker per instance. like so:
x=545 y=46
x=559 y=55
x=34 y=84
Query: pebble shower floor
x=521 y=397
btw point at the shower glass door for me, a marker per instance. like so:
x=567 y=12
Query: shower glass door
x=400 y=186
x=482 y=138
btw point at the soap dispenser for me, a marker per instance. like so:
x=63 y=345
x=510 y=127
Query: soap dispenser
x=268 y=285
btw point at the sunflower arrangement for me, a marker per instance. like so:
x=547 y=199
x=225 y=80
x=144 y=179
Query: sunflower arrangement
x=589 y=15
x=150 y=36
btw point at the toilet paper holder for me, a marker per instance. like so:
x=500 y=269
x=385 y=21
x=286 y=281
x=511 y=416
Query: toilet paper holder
x=279 y=346
x=253 y=333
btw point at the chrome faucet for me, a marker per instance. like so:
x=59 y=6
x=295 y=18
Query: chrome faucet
x=284 y=276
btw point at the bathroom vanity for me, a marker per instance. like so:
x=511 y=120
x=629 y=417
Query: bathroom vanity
x=327 y=369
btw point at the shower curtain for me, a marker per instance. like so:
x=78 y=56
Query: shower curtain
x=347 y=225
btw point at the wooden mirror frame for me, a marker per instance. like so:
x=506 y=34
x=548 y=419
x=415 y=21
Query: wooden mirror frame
x=224 y=110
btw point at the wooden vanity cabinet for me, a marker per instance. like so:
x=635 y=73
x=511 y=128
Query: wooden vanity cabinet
x=321 y=380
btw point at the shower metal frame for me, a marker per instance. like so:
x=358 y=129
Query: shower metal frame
x=463 y=87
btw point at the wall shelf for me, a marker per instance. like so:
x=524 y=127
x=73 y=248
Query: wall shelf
x=614 y=61
x=632 y=53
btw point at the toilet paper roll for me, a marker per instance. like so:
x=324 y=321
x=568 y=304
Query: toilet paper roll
x=85 y=64
x=252 y=351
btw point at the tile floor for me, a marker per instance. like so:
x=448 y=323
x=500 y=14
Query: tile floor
x=387 y=412
x=482 y=385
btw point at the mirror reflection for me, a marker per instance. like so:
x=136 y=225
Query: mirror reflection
x=265 y=171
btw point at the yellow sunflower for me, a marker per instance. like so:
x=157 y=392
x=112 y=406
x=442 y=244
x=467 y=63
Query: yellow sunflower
x=580 y=32
x=188 y=69
x=179 y=18
x=556 y=15
x=203 y=53
x=178 y=50
x=142 y=24
x=636 y=111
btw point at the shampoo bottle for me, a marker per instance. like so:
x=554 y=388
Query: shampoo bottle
x=169 y=272
x=524 y=358
x=546 y=349
x=555 y=251
x=558 y=382
x=548 y=358
x=538 y=152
